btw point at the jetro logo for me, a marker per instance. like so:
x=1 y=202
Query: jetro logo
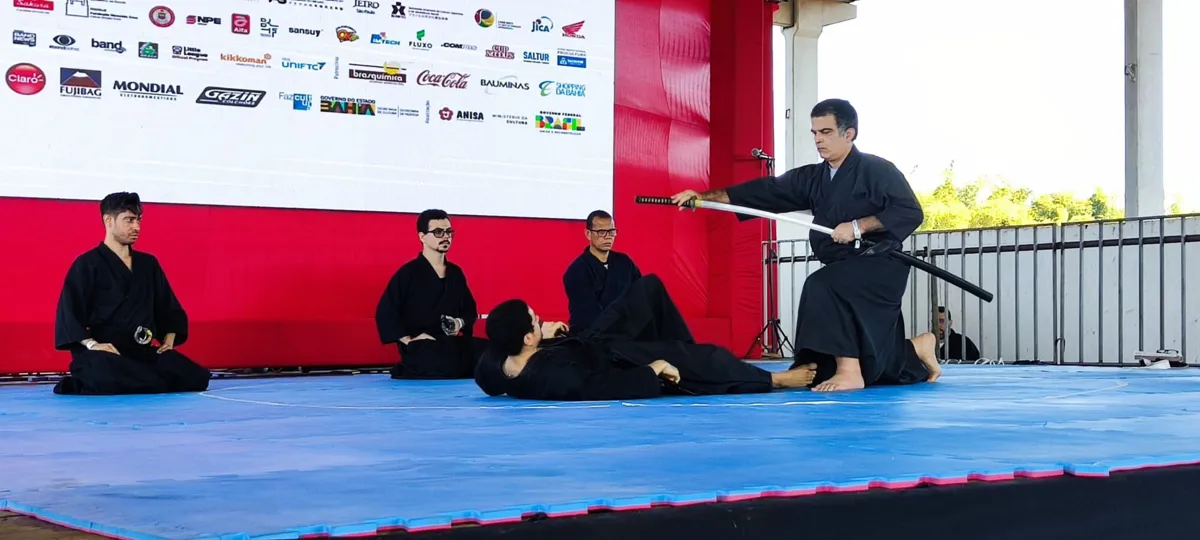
x=25 y=79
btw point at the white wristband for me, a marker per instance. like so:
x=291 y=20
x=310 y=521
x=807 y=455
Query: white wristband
x=92 y=344
x=857 y=232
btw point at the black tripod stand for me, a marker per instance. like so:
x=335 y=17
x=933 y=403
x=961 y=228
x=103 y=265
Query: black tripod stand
x=777 y=338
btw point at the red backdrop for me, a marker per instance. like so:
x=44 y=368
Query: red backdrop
x=289 y=288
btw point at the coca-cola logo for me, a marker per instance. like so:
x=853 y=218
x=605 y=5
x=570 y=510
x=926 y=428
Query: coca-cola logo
x=448 y=80
x=25 y=79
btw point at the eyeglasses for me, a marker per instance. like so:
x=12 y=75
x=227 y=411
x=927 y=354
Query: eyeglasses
x=441 y=233
x=606 y=233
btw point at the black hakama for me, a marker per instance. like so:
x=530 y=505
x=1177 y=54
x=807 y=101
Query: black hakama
x=414 y=302
x=611 y=360
x=592 y=285
x=104 y=300
x=851 y=307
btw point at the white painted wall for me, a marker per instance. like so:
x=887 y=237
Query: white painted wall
x=1032 y=287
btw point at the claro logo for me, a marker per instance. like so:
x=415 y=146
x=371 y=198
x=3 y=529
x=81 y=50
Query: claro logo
x=25 y=79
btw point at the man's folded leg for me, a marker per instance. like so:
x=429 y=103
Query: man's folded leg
x=181 y=373
x=103 y=373
x=644 y=313
x=452 y=357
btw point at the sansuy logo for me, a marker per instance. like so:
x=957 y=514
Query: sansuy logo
x=551 y=88
x=288 y=63
x=542 y=24
x=230 y=97
x=305 y=32
x=137 y=89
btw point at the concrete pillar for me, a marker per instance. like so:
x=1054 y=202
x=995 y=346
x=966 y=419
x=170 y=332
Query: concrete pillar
x=808 y=18
x=1144 y=194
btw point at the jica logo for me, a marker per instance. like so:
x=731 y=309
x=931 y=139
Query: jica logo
x=543 y=24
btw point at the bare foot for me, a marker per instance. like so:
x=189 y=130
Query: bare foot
x=799 y=377
x=842 y=381
x=925 y=345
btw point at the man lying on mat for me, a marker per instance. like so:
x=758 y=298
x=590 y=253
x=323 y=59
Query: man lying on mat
x=849 y=322
x=428 y=311
x=115 y=303
x=639 y=347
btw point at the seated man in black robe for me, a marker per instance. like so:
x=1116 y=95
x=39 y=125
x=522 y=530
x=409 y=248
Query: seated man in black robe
x=640 y=347
x=428 y=311
x=599 y=275
x=953 y=345
x=850 y=321
x=114 y=306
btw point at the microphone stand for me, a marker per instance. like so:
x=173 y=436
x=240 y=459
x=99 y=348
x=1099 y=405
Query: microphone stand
x=773 y=346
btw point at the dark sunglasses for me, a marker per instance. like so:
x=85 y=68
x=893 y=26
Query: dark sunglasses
x=441 y=233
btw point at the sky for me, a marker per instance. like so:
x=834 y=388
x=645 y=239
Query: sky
x=1028 y=91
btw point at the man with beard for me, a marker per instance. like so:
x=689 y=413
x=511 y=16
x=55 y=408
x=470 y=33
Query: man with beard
x=428 y=310
x=114 y=305
x=599 y=276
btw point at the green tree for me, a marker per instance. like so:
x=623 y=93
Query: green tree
x=983 y=203
x=1103 y=206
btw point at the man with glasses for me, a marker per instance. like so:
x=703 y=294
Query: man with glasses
x=599 y=276
x=428 y=310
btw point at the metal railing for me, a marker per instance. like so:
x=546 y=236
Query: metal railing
x=1076 y=293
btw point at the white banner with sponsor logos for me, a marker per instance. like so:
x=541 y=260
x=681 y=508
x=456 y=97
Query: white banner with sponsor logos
x=502 y=109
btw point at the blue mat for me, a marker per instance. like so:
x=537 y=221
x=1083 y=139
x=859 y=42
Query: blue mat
x=281 y=458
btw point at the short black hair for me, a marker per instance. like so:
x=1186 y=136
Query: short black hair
x=942 y=309
x=841 y=110
x=114 y=204
x=433 y=214
x=507 y=325
x=596 y=214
